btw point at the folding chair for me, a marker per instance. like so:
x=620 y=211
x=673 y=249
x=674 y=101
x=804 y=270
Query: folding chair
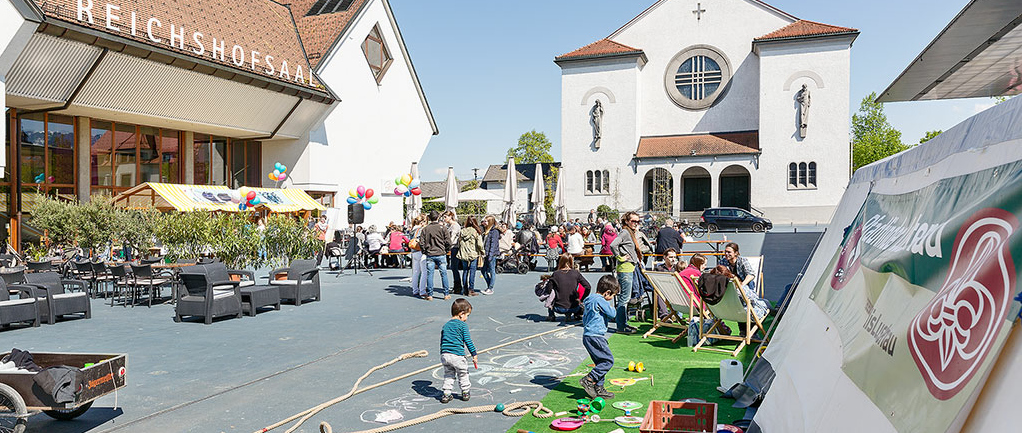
x=731 y=307
x=757 y=264
x=670 y=287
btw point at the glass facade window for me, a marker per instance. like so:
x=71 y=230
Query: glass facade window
x=125 y=155
x=32 y=135
x=170 y=156
x=254 y=168
x=60 y=133
x=149 y=154
x=102 y=164
x=218 y=162
x=201 y=159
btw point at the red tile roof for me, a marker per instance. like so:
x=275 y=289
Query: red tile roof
x=722 y=143
x=804 y=28
x=320 y=31
x=600 y=48
x=254 y=25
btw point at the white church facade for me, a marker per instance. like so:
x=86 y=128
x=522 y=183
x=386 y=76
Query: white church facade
x=697 y=104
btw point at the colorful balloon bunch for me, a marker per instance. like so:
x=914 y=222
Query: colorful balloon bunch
x=39 y=178
x=245 y=198
x=279 y=173
x=407 y=186
x=363 y=196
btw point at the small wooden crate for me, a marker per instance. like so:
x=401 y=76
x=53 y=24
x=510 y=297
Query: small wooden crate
x=679 y=417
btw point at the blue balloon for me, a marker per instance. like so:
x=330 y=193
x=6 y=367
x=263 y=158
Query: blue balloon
x=242 y=206
x=352 y=200
x=408 y=193
x=277 y=166
x=255 y=201
x=367 y=205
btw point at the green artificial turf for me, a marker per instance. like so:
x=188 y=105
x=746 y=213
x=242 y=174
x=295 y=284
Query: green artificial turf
x=678 y=373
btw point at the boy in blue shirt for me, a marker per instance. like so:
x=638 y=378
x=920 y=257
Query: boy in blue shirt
x=596 y=311
x=453 y=339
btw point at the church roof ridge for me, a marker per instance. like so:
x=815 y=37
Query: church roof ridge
x=601 y=48
x=803 y=29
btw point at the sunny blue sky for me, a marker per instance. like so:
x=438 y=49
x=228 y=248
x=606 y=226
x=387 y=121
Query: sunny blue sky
x=488 y=72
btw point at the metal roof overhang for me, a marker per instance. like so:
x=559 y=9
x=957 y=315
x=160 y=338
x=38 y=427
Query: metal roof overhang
x=978 y=54
x=58 y=73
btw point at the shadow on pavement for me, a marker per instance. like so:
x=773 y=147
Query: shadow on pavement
x=91 y=419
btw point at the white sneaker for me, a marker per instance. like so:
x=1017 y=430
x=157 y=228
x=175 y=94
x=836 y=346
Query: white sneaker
x=487 y=292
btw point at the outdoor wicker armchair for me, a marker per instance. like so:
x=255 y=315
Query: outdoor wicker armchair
x=56 y=300
x=298 y=282
x=22 y=309
x=199 y=296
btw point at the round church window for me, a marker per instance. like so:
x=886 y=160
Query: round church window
x=697 y=77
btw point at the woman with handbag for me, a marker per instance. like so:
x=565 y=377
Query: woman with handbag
x=491 y=251
x=418 y=259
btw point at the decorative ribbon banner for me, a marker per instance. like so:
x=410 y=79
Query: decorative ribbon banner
x=921 y=291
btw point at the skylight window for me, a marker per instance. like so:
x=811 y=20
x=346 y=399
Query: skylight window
x=329 y=6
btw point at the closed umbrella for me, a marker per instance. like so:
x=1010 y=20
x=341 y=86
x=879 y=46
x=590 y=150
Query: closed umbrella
x=560 y=209
x=415 y=204
x=538 y=197
x=510 y=192
x=451 y=194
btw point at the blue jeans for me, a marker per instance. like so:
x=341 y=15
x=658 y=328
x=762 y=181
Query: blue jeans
x=432 y=263
x=638 y=288
x=625 y=280
x=568 y=312
x=599 y=351
x=490 y=272
x=468 y=274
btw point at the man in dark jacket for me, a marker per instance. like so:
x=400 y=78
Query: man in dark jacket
x=435 y=242
x=668 y=237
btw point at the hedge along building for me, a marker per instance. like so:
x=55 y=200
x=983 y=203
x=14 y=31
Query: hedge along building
x=101 y=96
x=697 y=104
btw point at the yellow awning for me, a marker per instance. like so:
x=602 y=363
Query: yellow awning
x=187 y=198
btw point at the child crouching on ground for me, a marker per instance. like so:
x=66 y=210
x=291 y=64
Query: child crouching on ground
x=596 y=311
x=454 y=338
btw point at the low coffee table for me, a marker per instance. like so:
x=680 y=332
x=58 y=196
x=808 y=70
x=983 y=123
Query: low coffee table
x=255 y=297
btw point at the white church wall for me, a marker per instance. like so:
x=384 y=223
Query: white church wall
x=615 y=84
x=376 y=131
x=728 y=26
x=824 y=67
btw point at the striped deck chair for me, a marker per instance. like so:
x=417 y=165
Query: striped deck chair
x=732 y=306
x=670 y=287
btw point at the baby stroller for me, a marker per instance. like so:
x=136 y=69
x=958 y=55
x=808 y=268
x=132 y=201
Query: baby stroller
x=515 y=261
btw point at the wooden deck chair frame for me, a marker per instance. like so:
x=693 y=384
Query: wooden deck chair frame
x=670 y=287
x=757 y=264
x=731 y=308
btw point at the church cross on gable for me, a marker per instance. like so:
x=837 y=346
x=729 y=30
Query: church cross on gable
x=676 y=119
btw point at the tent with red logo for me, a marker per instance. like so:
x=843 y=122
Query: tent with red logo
x=905 y=318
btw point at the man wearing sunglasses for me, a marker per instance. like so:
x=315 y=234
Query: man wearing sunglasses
x=625 y=249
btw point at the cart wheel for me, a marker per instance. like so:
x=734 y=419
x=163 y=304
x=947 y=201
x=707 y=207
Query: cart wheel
x=68 y=414
x=13 y=414
x=523 y=268
x=698 y=232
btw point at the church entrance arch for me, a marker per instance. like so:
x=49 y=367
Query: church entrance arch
x=695 y=187
x=735 y=187
x=659 y=186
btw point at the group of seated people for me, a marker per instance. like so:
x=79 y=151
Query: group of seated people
x=567 y=286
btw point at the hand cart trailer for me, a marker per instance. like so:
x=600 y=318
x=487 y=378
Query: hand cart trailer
x=20 y=396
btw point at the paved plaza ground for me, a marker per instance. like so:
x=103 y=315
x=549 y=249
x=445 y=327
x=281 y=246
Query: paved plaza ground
x=240 y=375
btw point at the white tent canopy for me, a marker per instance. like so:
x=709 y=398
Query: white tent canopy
x=538 y=197
x=451 y=191
x=510 y=192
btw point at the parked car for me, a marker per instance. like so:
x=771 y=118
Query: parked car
x=732 y=218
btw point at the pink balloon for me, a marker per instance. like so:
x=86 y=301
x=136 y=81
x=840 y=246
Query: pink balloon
x=397 y=191
x=369 y=193
x=361 y=190
x=282 y=177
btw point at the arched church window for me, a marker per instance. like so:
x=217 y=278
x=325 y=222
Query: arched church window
x=697 y=77
x=589 y=181
x=812 y=174
x=606 y=181
x=597 y=181
x=802 y=174
x=793 y=175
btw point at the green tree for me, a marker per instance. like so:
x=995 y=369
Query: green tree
x=873 y=137
x=532 y=147
x=929 y=135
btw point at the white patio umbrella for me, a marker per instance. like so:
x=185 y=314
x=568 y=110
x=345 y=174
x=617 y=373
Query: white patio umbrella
x=510 y=192
x=561 y=211
x=451 y=194
x=415 y=204
x=538 y=197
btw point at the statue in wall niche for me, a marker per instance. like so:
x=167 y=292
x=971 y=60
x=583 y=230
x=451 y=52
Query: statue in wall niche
x=803 y=110
x=596 y=115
